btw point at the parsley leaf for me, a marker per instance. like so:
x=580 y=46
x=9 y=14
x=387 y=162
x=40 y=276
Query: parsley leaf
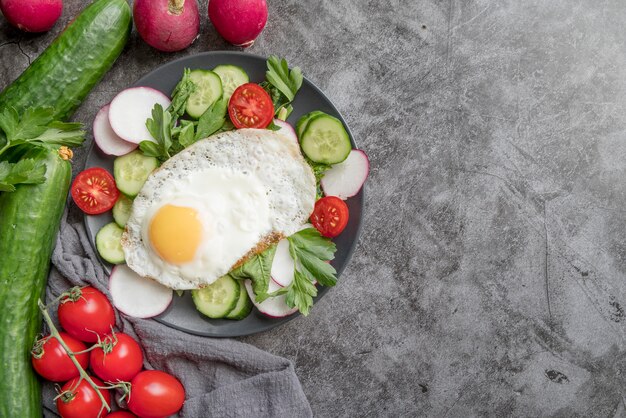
x=36 y=127
x=186 y=134
x=26 y=171
x=288 y=82
x=160 y=127
x=181 y=93
x=257 y=269
x=282 y=85
x=212 y=119
x=310 y=251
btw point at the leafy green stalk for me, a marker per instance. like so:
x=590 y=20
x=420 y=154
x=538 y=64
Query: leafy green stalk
x=257 y=269
x=36 y=127
x=311 y=253
x=26 y=171
x=282 y=84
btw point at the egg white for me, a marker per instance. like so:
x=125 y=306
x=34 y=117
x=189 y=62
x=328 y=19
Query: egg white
x=245 y=185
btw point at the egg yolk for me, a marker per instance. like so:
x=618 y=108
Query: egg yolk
x=175 y=233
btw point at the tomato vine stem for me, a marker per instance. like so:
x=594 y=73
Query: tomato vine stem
x=54 y=332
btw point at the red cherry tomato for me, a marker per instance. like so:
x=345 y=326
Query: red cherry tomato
x=85 y=402
x=250 y=107
x=120 y=360
x=330 y=216
x=94 y=191
x=51 y=361
x=155 y=394
x=86 y=314
x=121 y=414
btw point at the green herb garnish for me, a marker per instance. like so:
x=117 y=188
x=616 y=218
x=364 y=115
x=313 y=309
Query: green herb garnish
x=257 y=269
x=282 y=84
x=212 y=119
x=26 y=171
x=36 y=127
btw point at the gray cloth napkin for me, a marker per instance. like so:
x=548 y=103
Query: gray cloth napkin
x=222 y=377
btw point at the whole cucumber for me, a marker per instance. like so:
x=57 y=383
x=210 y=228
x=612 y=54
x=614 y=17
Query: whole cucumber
x=29 y=221
x=68 y=69
x=60 y=77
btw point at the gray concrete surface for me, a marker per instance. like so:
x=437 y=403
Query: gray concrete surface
x=490 y=277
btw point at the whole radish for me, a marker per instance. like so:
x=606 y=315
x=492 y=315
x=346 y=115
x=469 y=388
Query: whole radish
x=167 y=25
x=32 y=15
x=238 y=21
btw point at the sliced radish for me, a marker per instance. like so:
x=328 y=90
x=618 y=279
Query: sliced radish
x=106 y=139
x=286 y=129
x=131 y=108
x=345 y=179
x=137 y=296
x=283 y=265
x=275 y=307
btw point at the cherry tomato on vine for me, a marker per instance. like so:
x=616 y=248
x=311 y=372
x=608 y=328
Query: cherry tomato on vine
x=250 y=107
x=119 y=359
x=81 y=400
x=94 y=191
x=330 y=216
x=86 y=313
x=155 y=394
x=51 y=361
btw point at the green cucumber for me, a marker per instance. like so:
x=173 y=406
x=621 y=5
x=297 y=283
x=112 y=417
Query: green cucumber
x=208 y=90
x=219 y=298
x=325 y=140
x=131 y=171
x=109 y=243
x=63 y=75
x=243 y=306
x=232 y=77
x=29 y=221
x=121 y=210
x=60 y=78
x=304 y=121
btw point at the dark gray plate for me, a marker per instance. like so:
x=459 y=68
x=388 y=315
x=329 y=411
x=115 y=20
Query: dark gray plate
x=181 y=314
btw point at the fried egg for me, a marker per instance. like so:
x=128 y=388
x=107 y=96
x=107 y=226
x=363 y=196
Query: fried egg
x=216 y=203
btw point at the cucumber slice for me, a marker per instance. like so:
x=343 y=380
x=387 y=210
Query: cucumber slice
x=232 y=77
x=131 y=171
x=217 y=299
x=243 y=307
x=304 y=121
x=208 y=90
x=325 y=140
x=121 y=210
x=109 y=243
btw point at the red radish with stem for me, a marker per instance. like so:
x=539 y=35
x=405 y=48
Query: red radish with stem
x=32 y=15
x=238 y=21
x=167 y=25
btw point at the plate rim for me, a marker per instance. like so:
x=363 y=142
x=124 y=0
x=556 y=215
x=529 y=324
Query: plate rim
x=350 y=251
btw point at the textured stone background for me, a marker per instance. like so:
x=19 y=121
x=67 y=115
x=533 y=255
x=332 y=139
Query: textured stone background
x=489 y=279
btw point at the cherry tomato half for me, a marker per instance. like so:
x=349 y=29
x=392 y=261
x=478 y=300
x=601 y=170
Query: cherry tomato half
x=94 y=191
x=51 y=361
x=121 y=358
x=85 y=402
x=330 y=216
x=155 y=394
x=250 y=107
x=86 y=314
